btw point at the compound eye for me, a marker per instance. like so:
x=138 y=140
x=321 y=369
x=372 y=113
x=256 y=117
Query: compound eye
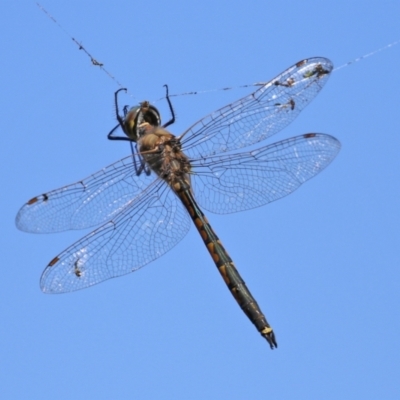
x=153 y=116
x=130 y=122
x=150 y=114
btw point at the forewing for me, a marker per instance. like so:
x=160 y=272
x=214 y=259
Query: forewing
x=86 y=203
x=231 y=183
x=259 y=115
x=146 y=229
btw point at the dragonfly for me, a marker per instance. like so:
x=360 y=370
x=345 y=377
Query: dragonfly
x=143 y=205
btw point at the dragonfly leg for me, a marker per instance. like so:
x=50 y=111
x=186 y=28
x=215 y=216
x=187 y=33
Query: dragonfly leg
x=172 y=120
x=119 y=119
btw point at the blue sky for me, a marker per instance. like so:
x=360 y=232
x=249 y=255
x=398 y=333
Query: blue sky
x=323 y=263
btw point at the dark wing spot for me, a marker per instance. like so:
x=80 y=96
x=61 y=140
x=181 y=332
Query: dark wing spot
x=32 y=201
x=53 y=261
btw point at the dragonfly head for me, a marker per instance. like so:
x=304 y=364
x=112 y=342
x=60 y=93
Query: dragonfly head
x=138 y=119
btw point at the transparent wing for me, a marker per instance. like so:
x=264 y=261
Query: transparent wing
x=147 y=228
x=259 y=115
x=86 y=203
x=231 y=183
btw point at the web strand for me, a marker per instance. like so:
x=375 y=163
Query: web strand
x=372 y=53
x=96 y=63
x=93 y=60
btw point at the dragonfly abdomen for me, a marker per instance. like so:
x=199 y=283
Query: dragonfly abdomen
x=227 y=268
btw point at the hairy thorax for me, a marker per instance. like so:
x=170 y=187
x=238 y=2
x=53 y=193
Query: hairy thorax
x=162 y=152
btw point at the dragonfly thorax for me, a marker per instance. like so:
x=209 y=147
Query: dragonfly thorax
x=162 y=152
